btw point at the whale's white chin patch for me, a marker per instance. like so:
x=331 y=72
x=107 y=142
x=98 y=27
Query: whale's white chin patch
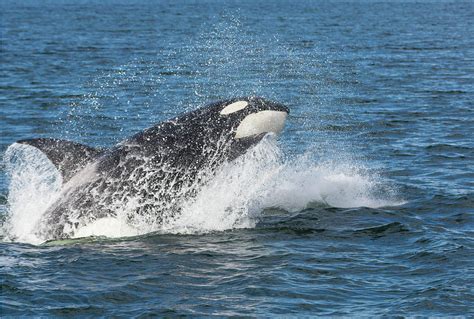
x=261 y=122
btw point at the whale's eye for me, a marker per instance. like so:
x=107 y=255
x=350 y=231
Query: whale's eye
x=234 y=107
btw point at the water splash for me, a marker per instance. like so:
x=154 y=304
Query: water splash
x=263 y=178
x=34 y=184
x=234 y=198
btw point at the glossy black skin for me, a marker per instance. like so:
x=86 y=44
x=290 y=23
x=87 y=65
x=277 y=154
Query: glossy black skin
x=157 y=168
x=187 y=137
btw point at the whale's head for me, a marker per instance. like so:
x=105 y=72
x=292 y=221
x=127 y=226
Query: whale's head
x=253 y=116
x=227 y=127
x=245 y=121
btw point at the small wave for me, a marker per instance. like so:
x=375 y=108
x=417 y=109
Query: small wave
x=447 y=147
x=380 y=231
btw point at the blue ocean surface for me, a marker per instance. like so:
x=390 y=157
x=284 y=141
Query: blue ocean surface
x=363 y=207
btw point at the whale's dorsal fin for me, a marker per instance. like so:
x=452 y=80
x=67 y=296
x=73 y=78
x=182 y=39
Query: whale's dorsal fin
x=68 y=157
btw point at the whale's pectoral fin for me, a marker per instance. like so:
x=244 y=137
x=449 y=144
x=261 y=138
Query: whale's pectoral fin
x=68 y=157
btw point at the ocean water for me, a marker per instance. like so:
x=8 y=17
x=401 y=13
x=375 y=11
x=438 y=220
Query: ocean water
x=364 y=206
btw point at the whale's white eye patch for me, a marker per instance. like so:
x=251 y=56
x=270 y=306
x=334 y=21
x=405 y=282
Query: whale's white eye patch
x=234 y=107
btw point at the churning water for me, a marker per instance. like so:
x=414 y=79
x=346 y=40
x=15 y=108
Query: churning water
x=363 y=206
x=234 y=198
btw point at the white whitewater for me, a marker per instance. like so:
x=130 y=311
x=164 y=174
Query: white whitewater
x=234 y=198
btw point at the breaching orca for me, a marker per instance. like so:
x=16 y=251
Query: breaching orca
x=150 y=173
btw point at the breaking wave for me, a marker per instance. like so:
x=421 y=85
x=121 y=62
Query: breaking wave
x=235 y=197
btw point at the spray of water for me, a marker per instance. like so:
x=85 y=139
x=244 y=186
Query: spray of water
x=235 y=197
x=34 y=184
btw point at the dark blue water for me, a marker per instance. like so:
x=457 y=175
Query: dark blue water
x=367 y=211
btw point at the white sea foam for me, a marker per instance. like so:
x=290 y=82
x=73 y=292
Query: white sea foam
x=262 y=178
x=234 y=198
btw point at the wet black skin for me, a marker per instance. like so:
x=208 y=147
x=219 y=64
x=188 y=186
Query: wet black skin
x=189 y=136
x=153 y=166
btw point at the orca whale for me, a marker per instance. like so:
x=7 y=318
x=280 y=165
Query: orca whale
x=148 y=175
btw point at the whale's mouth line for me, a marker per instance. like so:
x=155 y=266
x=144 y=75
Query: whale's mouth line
x=267 y=121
